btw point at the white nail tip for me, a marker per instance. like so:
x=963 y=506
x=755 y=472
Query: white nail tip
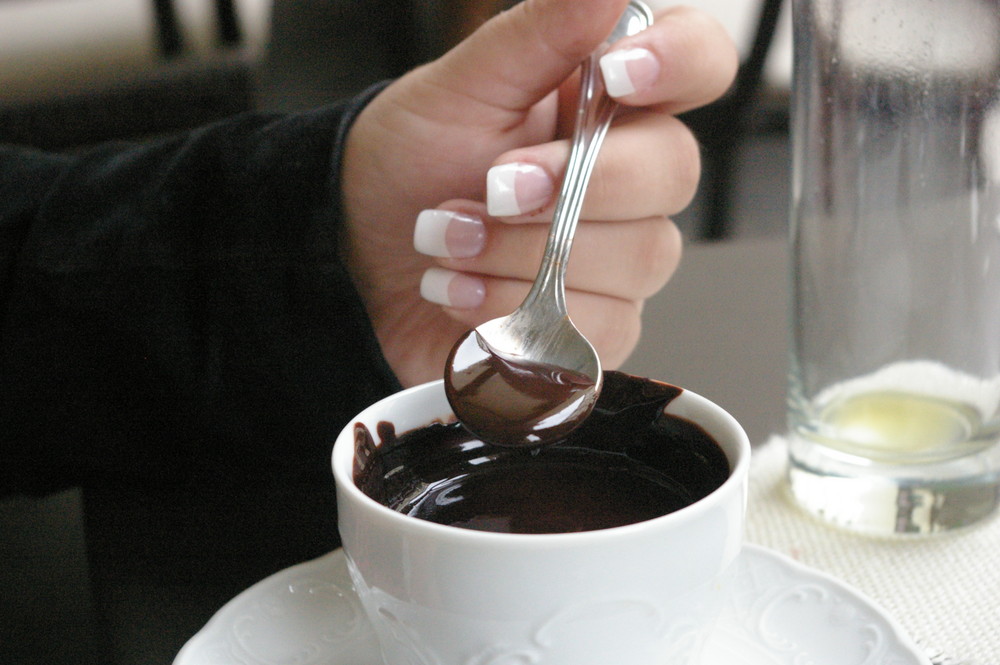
x=429 y=232
x=614 y=67
x=434 y=286
x=501 y=200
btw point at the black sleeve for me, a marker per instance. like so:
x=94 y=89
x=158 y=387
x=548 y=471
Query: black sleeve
x=179 y=303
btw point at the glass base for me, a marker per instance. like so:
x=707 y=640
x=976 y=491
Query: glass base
x=885 y=499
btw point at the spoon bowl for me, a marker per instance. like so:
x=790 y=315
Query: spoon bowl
x=531 y=377
x=515 y=383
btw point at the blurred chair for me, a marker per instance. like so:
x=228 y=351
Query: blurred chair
x=74 y=72
x=724 y=126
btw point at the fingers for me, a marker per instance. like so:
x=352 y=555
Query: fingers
x=629 y=260
x=648 y=166
x=686 y=59
x=650 y=163
x=611 y=324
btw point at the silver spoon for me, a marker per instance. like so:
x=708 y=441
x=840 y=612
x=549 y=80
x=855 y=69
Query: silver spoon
x=531 y=377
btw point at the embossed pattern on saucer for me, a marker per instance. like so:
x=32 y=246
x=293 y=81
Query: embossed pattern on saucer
x=781 y=613
x=304 y=615
x=785 y=613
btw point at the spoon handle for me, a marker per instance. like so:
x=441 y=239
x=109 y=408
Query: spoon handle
x=593 y=116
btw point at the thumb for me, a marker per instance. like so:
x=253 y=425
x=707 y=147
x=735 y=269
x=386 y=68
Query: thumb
x=522 y=54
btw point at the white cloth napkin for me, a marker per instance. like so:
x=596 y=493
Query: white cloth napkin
x=943 y=589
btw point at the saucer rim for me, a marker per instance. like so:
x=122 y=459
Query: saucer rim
x=189 y=652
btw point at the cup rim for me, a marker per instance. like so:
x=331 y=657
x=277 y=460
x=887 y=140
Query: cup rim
x=689 y=402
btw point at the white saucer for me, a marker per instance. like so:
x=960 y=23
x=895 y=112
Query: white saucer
x=781 y=613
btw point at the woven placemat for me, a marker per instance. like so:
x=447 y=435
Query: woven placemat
x=943 y=589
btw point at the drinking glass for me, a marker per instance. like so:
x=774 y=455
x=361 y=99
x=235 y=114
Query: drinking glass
x=895 y=238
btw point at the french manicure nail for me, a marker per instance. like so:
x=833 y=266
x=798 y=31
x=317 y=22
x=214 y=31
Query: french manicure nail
x=517 y=188
x=629 y=70
x=452 y=289
x=448 y=234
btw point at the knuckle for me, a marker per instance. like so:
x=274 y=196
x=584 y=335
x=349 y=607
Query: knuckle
x=656 y=258
x=686 y=169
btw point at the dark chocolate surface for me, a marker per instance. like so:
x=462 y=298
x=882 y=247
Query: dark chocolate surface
x=628 y=462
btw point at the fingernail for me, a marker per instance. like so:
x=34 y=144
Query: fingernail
x=448 y=234
x=629 y=70
x=514 y=189
x=452 y=289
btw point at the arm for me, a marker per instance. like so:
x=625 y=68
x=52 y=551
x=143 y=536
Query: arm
x=178 y=298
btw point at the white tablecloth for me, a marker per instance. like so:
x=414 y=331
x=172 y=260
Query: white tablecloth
x=944 y=589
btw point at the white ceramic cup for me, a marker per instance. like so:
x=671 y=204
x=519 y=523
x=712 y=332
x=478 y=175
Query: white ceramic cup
x=640 y=594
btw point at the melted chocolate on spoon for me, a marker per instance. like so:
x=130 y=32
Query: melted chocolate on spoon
x=517 y=402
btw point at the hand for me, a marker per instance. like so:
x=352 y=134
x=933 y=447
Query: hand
x=504 y=98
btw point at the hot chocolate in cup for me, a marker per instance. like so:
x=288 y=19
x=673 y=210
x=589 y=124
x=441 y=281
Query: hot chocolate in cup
x=613 y=546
